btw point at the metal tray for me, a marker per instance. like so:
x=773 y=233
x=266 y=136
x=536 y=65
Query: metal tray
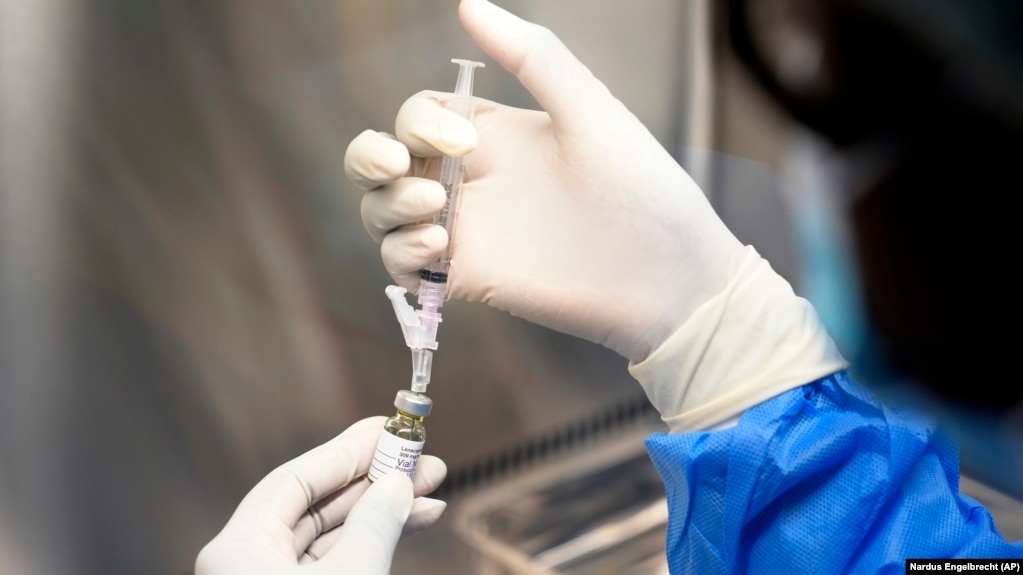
x=601 y=510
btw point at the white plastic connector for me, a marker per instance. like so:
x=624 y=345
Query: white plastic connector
x=419 y=334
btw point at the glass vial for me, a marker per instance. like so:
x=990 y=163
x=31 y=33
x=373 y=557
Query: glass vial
x=402 y=438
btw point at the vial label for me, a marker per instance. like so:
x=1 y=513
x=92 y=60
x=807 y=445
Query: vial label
x=394 y=454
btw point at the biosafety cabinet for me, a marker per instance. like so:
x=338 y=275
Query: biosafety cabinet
x=189 y=297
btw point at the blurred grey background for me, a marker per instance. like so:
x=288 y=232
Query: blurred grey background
x=187 y=296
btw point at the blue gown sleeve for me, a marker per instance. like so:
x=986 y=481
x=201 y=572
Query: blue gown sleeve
x=821 y=479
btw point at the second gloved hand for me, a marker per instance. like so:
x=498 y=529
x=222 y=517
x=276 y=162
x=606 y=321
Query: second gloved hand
x=318 y=514
x=577 y=219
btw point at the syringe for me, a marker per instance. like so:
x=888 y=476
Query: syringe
x=450 y=176
x=420 y=326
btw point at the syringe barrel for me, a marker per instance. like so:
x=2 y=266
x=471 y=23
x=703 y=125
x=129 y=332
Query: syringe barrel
x=450 y=175
x=451 y=180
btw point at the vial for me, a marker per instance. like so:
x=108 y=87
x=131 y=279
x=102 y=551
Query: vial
x=402 y=438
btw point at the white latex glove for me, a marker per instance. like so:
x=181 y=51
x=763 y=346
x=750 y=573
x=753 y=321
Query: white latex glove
x=577 y=219
x=318 y=514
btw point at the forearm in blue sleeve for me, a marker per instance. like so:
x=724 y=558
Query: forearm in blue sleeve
x=820 y=479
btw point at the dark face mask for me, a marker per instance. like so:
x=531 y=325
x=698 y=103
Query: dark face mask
x=936 y=242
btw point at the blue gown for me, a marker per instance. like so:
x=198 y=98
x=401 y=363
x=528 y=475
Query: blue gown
x=821 y=479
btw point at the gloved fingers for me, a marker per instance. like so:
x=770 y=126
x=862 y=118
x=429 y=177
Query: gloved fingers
x=332 y=510
x=425 y=512
x=540 y=61
x=319 y=548
x=407 y=250
x=283 y=496
x=374 y=159
x=428 y=129
x=430 y=472
x=327 y=514
x=403 y=202
x=373 y=526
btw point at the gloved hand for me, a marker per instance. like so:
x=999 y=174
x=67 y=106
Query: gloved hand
x=318 y=514
x=577 y=219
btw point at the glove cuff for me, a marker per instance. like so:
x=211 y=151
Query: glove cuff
x=753 y=341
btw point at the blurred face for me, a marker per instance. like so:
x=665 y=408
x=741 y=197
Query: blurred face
x=921 y=138
x=910 y=222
